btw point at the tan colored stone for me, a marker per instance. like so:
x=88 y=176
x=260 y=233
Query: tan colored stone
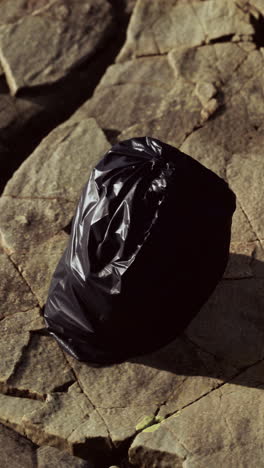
x=12 y=410
x=166 y=378
x=205 y=91
x=14 y=338
x=27 y=223
x=66 y=420
x=242 y=231
x=40 y=198
x=179 y=116
x=122 y=422
x=23 y=322
x=14 y=292
x=209 y=109
x=51 y=457
x=223 y=135
x=43 y=368
x=39 y=262
x=58 y=37
x=16 y=451
x=245 y=176
x=210 y=67
x=158 y=27
x=217 y=430
x=12 y=10
x=129 y=93
x=11 y=347
x=61 y=164
x=255 y=7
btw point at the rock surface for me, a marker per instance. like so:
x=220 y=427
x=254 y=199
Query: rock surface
x=52 y=40
x=18 y=452
x=191 y=74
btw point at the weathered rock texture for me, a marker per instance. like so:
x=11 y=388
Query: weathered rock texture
x=191 y=74
x=52 y=40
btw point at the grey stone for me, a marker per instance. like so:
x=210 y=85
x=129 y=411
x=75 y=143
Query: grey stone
x=53 y=40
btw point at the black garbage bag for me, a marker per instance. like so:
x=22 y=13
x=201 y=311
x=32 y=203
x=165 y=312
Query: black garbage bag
x=149 y=243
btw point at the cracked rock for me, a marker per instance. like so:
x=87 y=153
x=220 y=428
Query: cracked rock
x=52 y=40
x=14 y=292
x=51 y=457
x=193 y=437
x=157 y=28
x=169 y=378
x=38 y=274
x=141 y=84
x=191 y=74
x=68 y=421
x=12 y=410
x=42 y=370
x=14 y=338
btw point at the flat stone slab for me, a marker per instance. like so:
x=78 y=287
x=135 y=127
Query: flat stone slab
x=16 y=295
x=19 y=452
x=216 y=430
x=52 y=40
x=155 y=27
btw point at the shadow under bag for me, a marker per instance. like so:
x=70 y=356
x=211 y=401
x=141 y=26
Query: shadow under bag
x=149 y=243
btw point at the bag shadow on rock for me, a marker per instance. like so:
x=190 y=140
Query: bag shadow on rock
x=226 y=339
x=149 y=243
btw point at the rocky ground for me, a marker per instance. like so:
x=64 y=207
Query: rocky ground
x=76 y=77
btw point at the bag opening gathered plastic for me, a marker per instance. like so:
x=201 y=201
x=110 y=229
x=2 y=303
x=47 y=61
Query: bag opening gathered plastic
x=149 y=243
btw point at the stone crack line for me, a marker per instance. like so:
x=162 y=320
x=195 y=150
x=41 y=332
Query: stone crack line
x=161 y=54
x=16 y=366
x=194 y=401
x=249 y=222
x=239 y=91
x=21 y=312
x=24 y=279
x=90 y=401
x=199 y=21
x=189 y=453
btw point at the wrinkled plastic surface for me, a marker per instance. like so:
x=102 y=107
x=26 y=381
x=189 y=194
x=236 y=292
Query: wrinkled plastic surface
x=149 y=243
